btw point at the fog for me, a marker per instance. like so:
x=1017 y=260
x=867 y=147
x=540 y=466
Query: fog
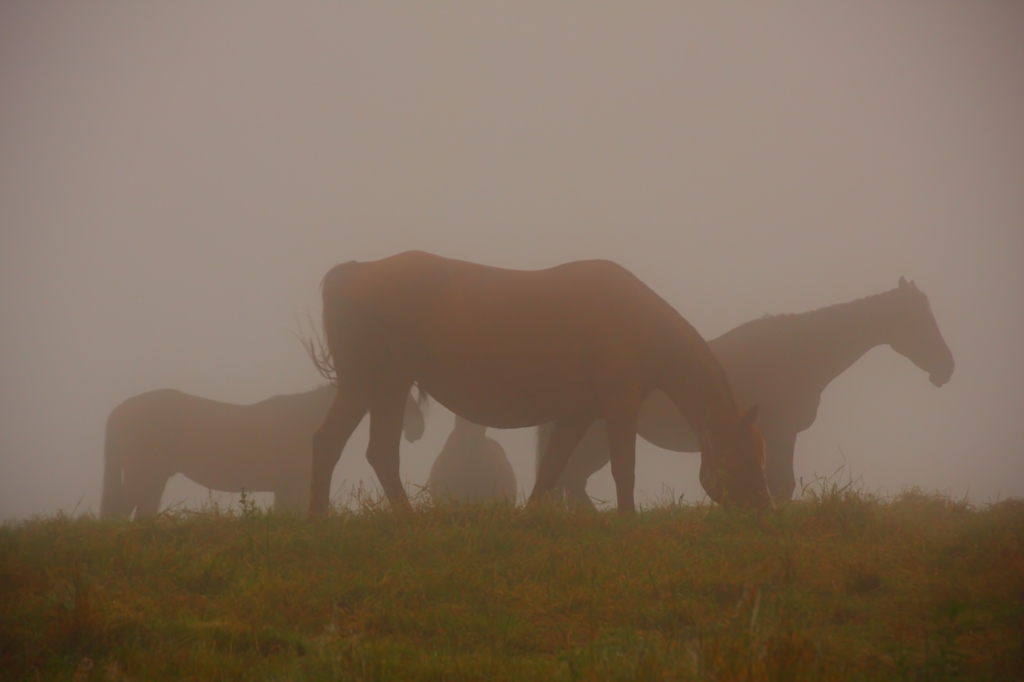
x=176 y=178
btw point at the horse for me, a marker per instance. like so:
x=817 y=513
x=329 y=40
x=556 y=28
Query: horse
x=471 y=467
x=515 y=348
x=231 y=448
x=783 y=363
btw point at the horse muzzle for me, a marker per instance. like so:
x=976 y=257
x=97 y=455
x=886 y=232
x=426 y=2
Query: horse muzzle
x=720 y=494
x=942 y=375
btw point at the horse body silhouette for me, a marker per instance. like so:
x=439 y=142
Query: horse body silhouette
x=260 y=447
x=783 y=363
x=513 y=348
x=471 y=467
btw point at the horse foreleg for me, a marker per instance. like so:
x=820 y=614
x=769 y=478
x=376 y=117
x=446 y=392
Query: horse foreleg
x=565 y=436
x=344 y=415
x=779 y=465
x=387 y=412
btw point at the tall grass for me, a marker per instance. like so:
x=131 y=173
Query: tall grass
x=840 y=586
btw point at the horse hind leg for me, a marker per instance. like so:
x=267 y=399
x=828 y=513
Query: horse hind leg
x=343 y=416
x=588 y=458
x=387 y=412
x=572 y=484
x=565 y=436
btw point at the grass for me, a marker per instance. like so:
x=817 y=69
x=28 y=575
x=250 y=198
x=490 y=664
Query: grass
x=841 y=586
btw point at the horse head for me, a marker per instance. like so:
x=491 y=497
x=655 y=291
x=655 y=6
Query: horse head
x=732 y=464
x=915 y=334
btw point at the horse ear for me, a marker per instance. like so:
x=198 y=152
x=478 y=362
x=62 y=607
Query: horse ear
x=749 y=416
x=903 y=282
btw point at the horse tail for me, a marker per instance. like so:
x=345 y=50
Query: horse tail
x=319 y=347
x=358 y=344
x=112 y=502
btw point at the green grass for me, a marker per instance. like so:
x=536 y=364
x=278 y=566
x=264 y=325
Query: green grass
x=842 y=586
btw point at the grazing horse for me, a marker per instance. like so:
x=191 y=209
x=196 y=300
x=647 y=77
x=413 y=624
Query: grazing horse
x=259 y=447
x=471 y=467
x=783 y=363
x=514 y=348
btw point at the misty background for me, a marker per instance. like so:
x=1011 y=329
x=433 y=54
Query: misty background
x=176 y=178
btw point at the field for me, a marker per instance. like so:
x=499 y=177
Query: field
x=840 y=586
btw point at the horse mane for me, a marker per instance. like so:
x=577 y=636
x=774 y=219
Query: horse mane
x=785 y=321
x=689 y=335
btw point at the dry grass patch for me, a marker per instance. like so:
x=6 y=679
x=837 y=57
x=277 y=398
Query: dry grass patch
x=840 y=586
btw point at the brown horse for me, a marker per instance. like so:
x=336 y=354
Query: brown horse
x=513 y=348
x=226 y=447
x=783 y=363
x=471 y=467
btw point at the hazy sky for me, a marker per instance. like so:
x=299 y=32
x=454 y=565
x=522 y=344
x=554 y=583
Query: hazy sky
x=175 y=179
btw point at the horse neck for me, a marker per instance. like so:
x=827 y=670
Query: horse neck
x=704 y=395
x=839 y=335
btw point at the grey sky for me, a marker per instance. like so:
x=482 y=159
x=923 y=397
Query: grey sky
x=175 y=179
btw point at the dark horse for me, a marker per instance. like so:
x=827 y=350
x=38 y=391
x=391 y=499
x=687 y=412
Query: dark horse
x=226 y=447
x=783 y=363
x=512 y=348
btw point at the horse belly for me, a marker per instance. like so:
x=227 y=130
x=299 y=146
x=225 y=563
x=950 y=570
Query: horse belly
x=499 y=401
x=510 y=378
x=232 y=460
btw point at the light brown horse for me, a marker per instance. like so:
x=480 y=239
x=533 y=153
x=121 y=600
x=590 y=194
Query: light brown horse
x=226 y=447
x=783 y=363
x=513 y=348
x=471 y=467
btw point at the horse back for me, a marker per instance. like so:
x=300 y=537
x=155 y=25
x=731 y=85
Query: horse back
x=542 y=333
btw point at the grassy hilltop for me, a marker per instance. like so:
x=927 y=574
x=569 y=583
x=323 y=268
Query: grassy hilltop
x=842 y=586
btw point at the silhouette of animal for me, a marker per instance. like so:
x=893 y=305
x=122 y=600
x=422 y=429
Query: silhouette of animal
x=471 y=467
x=514 y=348
x=783 y=363
x=260 y=447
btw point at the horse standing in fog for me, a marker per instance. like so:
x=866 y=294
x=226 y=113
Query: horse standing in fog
x=260 y=447
x=513 y=348
x=471 y=467
x=783 y=363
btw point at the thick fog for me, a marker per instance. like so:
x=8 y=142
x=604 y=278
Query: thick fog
x=176 y=178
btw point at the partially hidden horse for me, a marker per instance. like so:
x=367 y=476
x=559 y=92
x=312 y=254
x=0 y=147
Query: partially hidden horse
x=471 y=467
x=783 y=363
x=260 y=447
x=513 y=348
